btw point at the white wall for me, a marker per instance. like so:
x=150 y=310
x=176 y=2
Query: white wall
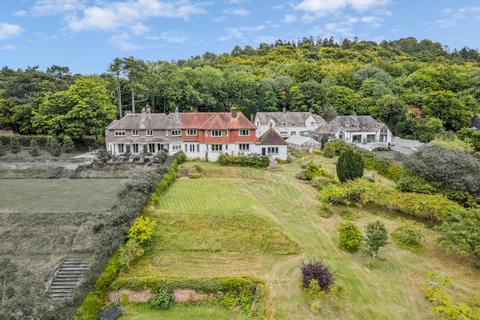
x=286 y=132
x=348 y=136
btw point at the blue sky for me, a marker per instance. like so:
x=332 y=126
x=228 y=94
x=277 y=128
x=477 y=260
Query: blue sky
x=87 y=34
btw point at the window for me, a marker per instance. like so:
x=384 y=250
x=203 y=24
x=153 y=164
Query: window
x=216 y=147
x=216 y=133
x=176 y=133
x=312 y=123
x=293 y=133
x=192 y=148
x=244 y=147
x=120 y=133
x=272 y=150
x=370 y=138
x=177 y=147
x=151 y=147
x=383 y=134
x=191 y=132
x=121 y=148
x=135 y=132
x=244 y=133
x=135 y=148
x=149 y=133
x=357 y=138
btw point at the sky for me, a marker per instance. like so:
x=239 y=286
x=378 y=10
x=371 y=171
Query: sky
x=86 y=35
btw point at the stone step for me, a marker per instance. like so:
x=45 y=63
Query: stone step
x=70 y=273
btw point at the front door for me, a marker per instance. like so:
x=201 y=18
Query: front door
x=264 y=151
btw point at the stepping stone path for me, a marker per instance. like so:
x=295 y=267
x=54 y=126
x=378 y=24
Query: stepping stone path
x=70 y=273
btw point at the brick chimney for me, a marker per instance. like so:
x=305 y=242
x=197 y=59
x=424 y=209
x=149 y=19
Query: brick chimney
x=233 y=111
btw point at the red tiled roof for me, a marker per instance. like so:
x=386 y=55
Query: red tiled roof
x=214 y=120
x=272 y=138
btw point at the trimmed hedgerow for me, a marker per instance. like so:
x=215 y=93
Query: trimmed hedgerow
x=243 y=161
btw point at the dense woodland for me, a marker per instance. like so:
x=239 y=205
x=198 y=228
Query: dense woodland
x=419 y=88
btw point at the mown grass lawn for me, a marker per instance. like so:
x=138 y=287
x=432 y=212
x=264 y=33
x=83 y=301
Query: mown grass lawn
x=239 y=221
x=144 y=312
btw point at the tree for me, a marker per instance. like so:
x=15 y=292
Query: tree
x=84 y=109
x=376 y=236
x=349 y=166
x=344 y=100
x=427 y=129
x=446 y=106
x=461 y=233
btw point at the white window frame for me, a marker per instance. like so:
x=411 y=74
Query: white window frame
x=120 y=133
x=121 y=148
x=244 y=133
x=191 y=132
x=149 y=133
x=135 y=148
x=135 y=133
x=244 y=147
x=216 y=133
x=293 y=133
x=216 y=147
x=176 y=133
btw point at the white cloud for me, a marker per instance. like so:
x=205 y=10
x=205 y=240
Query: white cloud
x=139 y=29
x=322 y=7
x=170 y=37
x=237 y=12
x=52 y=7
x=7 y=47
x=455 y=17
x=20 y=13
x=238 y=33
x=8 y=30
x=118 y=14
x=346 y=27
x=289 y=18
x=123 y=42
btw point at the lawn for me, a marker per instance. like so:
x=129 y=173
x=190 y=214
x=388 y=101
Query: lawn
x=144 y=312
x=57 y=195
x=264 y=224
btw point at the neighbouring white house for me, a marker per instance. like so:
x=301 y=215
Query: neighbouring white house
x=355 y=129
x=272 y=145
x=303 y=144
x=288 y=124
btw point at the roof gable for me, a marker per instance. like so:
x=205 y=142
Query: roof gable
x=215 y=120
x=271 y=137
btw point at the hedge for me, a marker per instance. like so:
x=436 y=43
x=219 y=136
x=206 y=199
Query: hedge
x=243 y=161
x=131 y=193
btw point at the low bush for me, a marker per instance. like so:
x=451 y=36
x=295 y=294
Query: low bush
x=243 y=161
x=54 y=147
x=15 y=146
x=319 y=272
x=162 y=300
x=142 y=230
x=129 y=253
x=350 y=236
x=354 y=193
x=335 y=148
x=312 y=170
x=324 y=210
x=68 y=146
x=320 y=182
x=347 y=214
x=412 y=183
x=408 y=236
x=34 y=149
x=180 y=157
x=436 y=291
x=3 y=149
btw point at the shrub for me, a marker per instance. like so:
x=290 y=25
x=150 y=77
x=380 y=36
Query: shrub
x=472 y=136
x=181 y=157
x=162 y=300
x=350 y=236
x=461 y=233
x=142 y=230
x=320 y=182
x=129 y=253
x=443 y=305
x=243 y=161
x=317 y=271
x=355 y=193
x=349 y=166
x=196 y=172
x=312 y=170
x=412 y=183
x=54 y=147
x=68 y=145
x=34 y=149
x=376 y=236
x=14 y=146
x=3 y=149
x=325 y=211
x=454 y=169
x=160 y=157
x=335 y=148
x=348 y=214
x=407 y=235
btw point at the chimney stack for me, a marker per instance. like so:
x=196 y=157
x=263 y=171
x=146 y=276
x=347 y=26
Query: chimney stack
x=284 y=109
x=233 y=110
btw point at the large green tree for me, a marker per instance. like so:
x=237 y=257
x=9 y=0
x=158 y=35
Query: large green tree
x=85 y=108
x=446 y=106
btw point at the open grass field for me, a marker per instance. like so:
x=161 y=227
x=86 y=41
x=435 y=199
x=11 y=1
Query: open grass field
x=43 y=221
x=240 y=221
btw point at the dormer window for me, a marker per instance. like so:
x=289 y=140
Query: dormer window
x=283 y=124
x=135 y=133
x=120 y=133
x=176 y=133
x=216 y=133
x=149 y=133
x=191 y=132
